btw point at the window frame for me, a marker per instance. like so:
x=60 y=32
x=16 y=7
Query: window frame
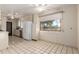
x=50 y=29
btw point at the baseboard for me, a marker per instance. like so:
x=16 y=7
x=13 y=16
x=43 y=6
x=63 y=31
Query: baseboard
x=34 y=39
x=59 y=43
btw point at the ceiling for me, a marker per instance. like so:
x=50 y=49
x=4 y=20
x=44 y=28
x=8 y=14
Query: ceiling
x=24 y=9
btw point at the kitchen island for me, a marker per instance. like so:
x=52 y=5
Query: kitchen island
x=3 y=40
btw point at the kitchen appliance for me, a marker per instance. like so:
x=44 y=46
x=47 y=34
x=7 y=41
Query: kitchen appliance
x=27 y=30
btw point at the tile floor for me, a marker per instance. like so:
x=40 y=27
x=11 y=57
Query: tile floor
x=21 y=46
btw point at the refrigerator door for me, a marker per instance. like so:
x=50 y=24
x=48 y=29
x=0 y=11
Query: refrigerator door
x=27 y=30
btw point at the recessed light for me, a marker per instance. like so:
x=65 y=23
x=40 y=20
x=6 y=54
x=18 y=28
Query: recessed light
x=40 y=9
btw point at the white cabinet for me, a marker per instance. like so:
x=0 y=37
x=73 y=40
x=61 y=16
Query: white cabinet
x=3 y=40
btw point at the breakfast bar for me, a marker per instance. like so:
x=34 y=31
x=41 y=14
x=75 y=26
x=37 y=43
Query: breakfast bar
x=3 y=40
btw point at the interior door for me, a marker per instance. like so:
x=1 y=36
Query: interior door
x=9 y=28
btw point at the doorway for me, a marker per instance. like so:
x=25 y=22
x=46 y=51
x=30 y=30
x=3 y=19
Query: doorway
x=9 y=28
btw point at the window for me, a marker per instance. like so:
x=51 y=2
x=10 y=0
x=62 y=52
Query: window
x=20 y=23
x=51 y=25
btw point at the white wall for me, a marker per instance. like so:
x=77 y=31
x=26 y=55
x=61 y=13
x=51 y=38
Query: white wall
x=67 y=36
x=78 y=27
x=27 y=18
x=36 y=27
x=3 y=23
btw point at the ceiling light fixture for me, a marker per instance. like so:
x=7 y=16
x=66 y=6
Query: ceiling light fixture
x=40 y=9
x=13 y=15
x=40 y=5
